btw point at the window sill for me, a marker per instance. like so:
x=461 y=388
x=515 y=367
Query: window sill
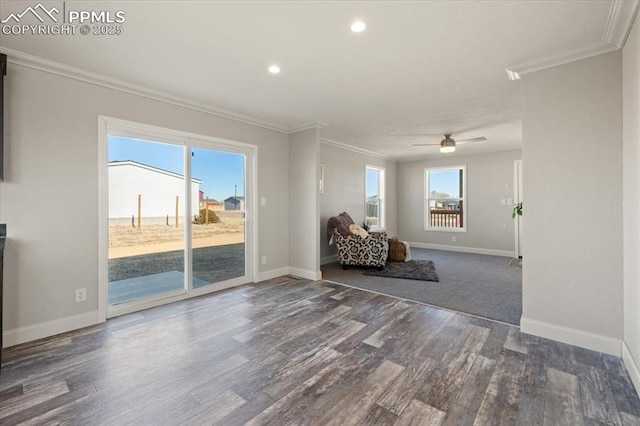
x=454 y=230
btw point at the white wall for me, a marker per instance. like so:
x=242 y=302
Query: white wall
x=490 y=177
x=304 y=157
x=344 y=180
x=158 y=192
x=572 y=156
x=631 y=203
x=49 y=199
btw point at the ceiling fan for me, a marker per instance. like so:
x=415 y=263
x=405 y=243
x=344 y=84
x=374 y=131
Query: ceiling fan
x=449 y=145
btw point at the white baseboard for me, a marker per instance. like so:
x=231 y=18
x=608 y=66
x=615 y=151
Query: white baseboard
x=274 y=273
x=49 y=328
x=289 y=270
x=572 y=336
x=475 y=250
x=632 y=366
x=303 y=273
x=329 y=259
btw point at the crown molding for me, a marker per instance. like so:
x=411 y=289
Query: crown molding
x=352 y=148
x=621 y=16
x=35 y=62
x=307 y=126
x=561 y=59
x=619 y=22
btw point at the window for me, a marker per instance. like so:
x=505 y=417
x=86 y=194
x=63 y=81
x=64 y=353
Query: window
x=374 y=197
x=445 y=198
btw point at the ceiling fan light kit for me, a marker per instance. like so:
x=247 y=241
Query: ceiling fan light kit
x=447 y=145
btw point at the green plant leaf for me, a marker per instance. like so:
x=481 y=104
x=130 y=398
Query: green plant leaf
x=517 y=210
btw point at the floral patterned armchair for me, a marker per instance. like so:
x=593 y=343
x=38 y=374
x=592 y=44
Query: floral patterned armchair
x=355 y=245
x=370 y=251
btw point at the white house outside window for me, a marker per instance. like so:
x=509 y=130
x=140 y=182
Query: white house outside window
x=445 y=199
x=374 y=197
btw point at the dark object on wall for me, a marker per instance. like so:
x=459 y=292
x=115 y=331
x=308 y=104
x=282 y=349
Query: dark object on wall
x=3 y=72
x=3 y=237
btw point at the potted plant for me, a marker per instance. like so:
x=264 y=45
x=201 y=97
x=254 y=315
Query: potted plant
x=517 y=210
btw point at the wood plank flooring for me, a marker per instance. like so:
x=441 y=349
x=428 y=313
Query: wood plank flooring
x=291 y=351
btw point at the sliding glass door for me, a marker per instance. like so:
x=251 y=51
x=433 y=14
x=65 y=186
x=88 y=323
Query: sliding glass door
x=146 y=219
x=218 y=231
x=176 y=218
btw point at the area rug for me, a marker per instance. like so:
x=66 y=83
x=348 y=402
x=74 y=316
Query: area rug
x=421 y=270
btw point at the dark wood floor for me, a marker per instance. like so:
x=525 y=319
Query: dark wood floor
x=290 y=351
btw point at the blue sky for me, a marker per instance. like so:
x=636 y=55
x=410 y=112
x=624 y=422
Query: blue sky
x=218 y=171
x=372 y=183
x=445 y=181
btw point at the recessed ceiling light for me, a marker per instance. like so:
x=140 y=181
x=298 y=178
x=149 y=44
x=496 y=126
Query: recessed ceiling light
x=358 y=26
x=274 y=69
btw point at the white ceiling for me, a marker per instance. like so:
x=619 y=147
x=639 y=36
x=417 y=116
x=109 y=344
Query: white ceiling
x=429 y=67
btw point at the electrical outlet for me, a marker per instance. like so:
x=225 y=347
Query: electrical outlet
x=81 y=295
x=263 y=201
x=453 y=239
x=264 y=260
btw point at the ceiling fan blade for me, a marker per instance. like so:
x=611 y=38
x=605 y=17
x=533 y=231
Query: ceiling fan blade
x=425 y=144
x=480 y=139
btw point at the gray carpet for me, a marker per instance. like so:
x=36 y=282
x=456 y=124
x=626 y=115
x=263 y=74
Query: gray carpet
x=472 y=283
x=421 y=270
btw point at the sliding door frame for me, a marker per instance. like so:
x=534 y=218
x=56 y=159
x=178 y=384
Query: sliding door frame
x=118 y=127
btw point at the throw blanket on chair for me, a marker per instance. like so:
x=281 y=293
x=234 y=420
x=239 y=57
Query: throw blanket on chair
x=341 y=224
